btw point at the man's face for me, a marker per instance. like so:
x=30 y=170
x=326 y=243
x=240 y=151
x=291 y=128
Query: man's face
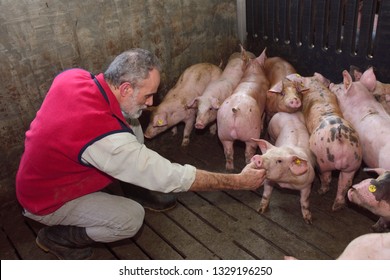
x=141 y=97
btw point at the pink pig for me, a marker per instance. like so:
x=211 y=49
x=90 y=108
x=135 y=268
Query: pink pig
x=240 y=116
x=333 y=139
x=374 y=195
x=367 y=116
x=217 y=91
x=381 y=91
x=283 y=95
x=370 y=246
x=290 y=163
x=173 y=108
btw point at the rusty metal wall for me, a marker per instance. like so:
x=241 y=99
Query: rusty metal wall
x=323 y=35
x=39 y=39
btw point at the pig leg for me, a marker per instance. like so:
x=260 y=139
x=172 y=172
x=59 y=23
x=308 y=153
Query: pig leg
x=326 y=178
x=250 y=150
x=304 y=199
x=174 y=130
x=344 y=183
x=213 y=128
x=189 y=125
x=267 y=191
x=229 y=154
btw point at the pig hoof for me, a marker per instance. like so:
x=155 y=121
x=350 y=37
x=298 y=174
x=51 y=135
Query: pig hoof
x=185 y=142
x=308 y=221
x=322 y=191
x=338 y=206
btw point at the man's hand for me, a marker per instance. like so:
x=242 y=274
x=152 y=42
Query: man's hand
x=251 y=177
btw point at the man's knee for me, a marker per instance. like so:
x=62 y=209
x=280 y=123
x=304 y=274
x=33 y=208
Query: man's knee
x=134 y=220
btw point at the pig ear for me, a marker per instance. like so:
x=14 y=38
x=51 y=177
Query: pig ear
x=295 y=78
x=368 y=79
x=262 y=57
x=193 y=103
x=347 y=80
x=160 y=120
x=277 y=88
x=298 y=166
x=215 y=103
x=322 y=79
x=263 y=145
x=300 y=87
x=244 y=55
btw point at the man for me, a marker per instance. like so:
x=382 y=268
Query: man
x=80 y=142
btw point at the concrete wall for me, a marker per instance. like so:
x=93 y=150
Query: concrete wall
x=39 y=39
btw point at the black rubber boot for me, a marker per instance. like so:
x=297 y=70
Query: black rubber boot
x=65 y=242
x=152 y=200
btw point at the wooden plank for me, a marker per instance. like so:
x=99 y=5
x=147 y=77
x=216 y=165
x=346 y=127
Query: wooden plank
x=208 y=235
x=154 y=246
x=178 y=237
x=7 y=251
x=278 y=236
x=127 y=249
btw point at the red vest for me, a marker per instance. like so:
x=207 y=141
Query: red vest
x=78 y=110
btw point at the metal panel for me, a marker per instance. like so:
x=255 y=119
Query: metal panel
x=325 y=36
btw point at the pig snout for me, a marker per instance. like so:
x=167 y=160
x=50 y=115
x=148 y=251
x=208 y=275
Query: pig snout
x=258 y=160
x=199 y=125
x=294 y=103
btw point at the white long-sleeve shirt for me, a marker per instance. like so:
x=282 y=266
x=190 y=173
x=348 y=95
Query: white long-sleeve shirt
x=126 y=158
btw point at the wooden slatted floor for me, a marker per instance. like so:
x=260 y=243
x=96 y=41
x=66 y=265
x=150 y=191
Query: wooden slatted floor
x=213 y=225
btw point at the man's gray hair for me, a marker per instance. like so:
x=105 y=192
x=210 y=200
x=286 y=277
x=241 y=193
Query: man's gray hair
x=131 y=66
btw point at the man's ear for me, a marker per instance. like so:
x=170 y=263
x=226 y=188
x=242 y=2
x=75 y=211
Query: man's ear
x=126 y=89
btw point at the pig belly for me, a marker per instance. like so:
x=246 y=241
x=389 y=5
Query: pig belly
x=239 y=118
x=334 y=154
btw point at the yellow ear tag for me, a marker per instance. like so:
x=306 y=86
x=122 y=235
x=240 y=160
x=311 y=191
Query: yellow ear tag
x=372 y=188
x=297 y=161
x=160 y=122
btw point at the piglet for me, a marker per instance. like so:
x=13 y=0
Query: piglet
x=284 y=95
x=374 y=195
x=173 y=108
x=240 y=116
x=218 y=90
x=367 y=116
x=290 y=163
x=333 y=140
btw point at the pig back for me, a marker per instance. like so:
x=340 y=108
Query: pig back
x=276 y=68
x=289 y=129
x=318 y=103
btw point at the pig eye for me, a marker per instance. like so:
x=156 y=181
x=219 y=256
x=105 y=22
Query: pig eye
x=282 y=94
x=279 y=161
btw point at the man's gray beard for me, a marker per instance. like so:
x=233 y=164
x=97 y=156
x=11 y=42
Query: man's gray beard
x=132 y=116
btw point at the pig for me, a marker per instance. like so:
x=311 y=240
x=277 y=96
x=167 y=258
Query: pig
x=381 y=91
x=333 y=139
x=290 y=163
x=367 y=116
x=217 y=91
x=370 y=246
x=173 y=108
x=374 y=195
x=283 y=95
x=240 y=116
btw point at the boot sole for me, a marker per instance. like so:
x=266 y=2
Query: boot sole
x=160 y=210
x=45 y=248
